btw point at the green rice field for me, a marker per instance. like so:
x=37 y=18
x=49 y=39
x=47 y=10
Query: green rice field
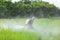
x=45 y=29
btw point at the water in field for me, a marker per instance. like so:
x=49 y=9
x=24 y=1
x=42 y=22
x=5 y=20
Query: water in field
x=44 y=29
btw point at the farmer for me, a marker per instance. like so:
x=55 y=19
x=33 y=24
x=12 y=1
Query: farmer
x=29 y=22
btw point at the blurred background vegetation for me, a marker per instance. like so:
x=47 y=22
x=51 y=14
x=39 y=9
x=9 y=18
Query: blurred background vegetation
x=26 y=8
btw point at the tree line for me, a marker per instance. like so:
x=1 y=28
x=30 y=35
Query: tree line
x=39 y=9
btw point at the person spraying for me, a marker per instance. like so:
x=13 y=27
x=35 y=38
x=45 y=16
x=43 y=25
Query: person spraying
x=29 y=22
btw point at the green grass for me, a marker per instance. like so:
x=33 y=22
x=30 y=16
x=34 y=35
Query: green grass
x=22 y=35
x=17 y=35
x=45 y=22
x=37 y=22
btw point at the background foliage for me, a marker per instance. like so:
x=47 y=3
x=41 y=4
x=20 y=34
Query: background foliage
x=39 y=9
